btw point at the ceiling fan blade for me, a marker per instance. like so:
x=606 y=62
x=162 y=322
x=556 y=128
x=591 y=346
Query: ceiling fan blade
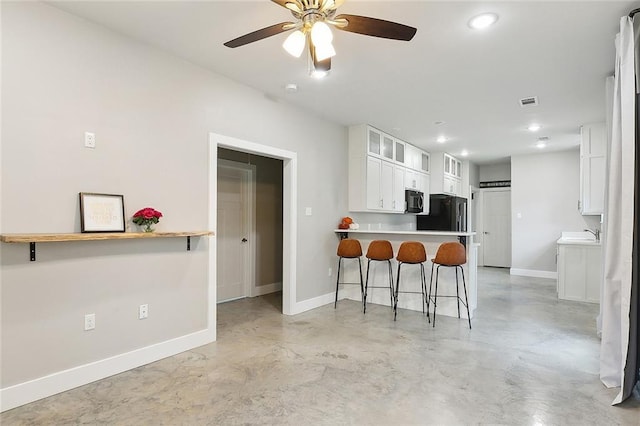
x=376 y=27
x=260 y=34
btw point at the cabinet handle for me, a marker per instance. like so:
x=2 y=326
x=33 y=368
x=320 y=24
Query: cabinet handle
x=394 y=204
x=578 y=204
x=381 y=202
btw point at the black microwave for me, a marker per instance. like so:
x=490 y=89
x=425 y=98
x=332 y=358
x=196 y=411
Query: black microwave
x=414 y=201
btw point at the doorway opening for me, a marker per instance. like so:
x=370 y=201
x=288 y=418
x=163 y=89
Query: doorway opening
x=249 y=261
x=288 y=222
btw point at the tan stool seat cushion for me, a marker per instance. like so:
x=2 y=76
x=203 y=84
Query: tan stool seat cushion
x=451 y=254
x=412 y=252
x=380 y=250
x=349 y=248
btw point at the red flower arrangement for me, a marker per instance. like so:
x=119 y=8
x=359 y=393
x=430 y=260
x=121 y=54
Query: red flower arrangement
x=147 y=217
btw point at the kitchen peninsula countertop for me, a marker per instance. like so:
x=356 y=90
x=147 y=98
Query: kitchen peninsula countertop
x=406 y=232
x=411 y=276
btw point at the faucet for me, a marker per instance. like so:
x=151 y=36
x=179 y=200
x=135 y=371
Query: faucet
x=595 y=233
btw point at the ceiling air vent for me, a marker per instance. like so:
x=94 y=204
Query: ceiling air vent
x=531 y=101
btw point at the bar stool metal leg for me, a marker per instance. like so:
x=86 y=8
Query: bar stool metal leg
x=366 y=285
x=335 y=304
x=395 y=303
x=457 y=292
x=391 y=296
x=466 y=299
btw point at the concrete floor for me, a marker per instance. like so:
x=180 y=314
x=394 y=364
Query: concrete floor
x=529 y=360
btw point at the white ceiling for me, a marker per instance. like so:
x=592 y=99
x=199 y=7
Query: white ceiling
x=559 y=51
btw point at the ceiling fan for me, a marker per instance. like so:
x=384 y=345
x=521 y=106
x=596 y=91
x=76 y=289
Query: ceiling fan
x=311 y=29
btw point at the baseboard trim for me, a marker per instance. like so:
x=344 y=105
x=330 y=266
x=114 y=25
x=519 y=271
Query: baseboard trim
x=33 y=390
x=534 y=273
x=261 y=290
x=316 y=302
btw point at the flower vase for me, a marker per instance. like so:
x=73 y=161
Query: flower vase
x=147 y=227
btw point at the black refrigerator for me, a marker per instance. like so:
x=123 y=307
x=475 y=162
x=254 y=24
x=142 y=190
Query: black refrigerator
x=446 y=213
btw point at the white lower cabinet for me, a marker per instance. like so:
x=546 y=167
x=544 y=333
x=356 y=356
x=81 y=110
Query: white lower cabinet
x=579 y=272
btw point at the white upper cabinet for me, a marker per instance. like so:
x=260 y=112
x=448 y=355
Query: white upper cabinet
x=381 y=167
x=592 y=168
x=388 y=145
x=446 y=174
x=400 y=155
x=417 y=159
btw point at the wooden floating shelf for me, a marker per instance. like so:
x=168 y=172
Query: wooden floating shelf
x=44 y=238
x=32 y=239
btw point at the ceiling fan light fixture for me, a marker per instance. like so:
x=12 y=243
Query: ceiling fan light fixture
x=294 y=44
x=318 y=74
x=483 y=21
x=328 y=4
x=295 y=7
x=321 y=34
x=325 y=51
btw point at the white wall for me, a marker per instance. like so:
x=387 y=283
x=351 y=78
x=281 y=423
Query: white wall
x=494 y=172
x=544 y=202
x=474 y=174
x=152 y=114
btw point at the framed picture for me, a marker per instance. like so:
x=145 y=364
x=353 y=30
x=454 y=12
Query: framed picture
x=101 y=212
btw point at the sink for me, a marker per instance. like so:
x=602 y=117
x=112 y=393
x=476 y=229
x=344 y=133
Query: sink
x=582 y=235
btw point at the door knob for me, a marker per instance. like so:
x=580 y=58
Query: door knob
x=244 y=240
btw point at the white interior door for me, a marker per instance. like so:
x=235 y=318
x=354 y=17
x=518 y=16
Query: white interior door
x=232 y=234
x=496 y=215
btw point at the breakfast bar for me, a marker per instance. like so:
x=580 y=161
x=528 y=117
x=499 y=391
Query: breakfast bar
x=378 y=275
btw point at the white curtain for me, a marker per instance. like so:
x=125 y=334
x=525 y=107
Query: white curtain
x=619 y=216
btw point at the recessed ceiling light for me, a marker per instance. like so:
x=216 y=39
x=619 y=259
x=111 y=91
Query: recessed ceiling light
x=534 y=127
x=438 y=123
x=483 y=21
x=464 y=153
x=542 y=142
x=291 y=88
x=441 y=139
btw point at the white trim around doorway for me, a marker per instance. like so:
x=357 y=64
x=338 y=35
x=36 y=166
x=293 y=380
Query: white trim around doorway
x=289 y=213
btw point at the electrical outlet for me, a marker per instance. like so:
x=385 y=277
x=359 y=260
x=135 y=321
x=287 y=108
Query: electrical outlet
x=143 y=311
x=330 y=271
x=89 y=322
x=89 y=140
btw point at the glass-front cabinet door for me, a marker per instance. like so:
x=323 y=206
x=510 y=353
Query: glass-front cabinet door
x=400 y=155
x=447 y=164
x=374 y=142
x=387 y=147
x=424 y=163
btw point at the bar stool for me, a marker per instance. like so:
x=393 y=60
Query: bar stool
x=451 y=255
x=413 y=253
x=349 y=249
x=380 y=251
